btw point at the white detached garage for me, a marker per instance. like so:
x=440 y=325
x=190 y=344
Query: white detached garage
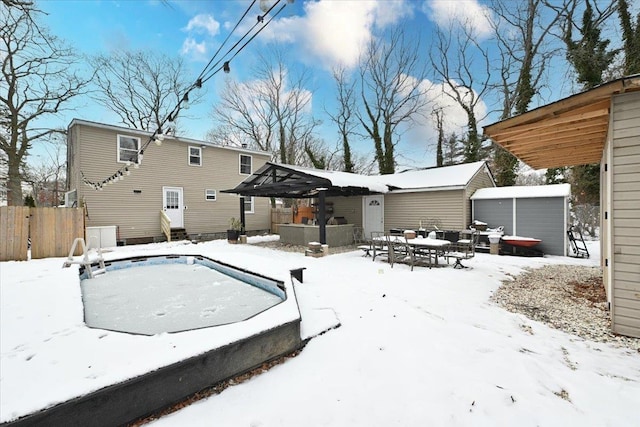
x=541 y=212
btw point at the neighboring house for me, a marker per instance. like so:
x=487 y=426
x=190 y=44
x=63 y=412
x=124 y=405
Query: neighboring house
x=434 y=196
x=181 y=177
x=601 y=125
x=540 y=211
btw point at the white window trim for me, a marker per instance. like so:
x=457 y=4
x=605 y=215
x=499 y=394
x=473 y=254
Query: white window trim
x=118 y=147
x=240 y=164
x=189 y=155
x=253 y=205
x=215 y=195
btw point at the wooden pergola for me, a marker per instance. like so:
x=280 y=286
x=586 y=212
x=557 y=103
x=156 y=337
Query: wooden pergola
x=568 y=132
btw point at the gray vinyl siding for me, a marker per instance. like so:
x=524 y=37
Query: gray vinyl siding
x=543 y=218
x=406 y=210
x=495 y=212
x=349 y=208
x=137 y=214
x=625 y=215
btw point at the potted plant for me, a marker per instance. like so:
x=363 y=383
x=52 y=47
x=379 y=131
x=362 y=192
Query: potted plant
x=235 y=227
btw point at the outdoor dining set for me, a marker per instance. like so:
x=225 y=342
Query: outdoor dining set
x=425 y=249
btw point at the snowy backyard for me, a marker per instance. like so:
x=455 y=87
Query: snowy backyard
x=401 y=347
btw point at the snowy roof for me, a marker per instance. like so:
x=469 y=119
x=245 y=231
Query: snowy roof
x=282 y=180
x=345 y=179
x=523 y=191
x=456 y=176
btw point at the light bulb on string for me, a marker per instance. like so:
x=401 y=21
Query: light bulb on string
x=265 y=5
x=185 y=100
x=225 y=67
x=127 y=171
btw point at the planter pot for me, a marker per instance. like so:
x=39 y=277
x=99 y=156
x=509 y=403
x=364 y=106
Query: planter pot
x=243 y=238
x=232 y=236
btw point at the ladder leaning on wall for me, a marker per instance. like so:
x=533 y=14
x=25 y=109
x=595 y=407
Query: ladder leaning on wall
x=85 y=261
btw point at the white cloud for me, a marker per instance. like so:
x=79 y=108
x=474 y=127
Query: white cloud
x=445 y=12
x=203 y=23
x=190 y=46
x=334 y=32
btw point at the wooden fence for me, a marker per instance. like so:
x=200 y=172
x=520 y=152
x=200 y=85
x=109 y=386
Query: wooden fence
x=280 y=216
x=52 y=231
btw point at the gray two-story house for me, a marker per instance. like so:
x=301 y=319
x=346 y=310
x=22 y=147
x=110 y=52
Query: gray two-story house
x=176 y=179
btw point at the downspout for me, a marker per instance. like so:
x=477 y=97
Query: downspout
x=242 y=218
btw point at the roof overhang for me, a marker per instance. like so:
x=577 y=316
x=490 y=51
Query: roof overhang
x=276 y=180
x=568 y=132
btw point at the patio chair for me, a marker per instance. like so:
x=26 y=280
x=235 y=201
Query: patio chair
x=463 y=249
x=361 y=241
x=398 y=249
x=379 y=244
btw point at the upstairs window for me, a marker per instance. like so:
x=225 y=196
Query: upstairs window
x=195 y=156
x=128 y=148
x=245 y=165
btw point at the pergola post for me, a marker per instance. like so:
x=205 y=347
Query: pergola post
x=322 y=220
x=242 y=219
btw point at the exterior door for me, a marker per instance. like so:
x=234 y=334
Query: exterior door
x=373 y=212
x=173 y=205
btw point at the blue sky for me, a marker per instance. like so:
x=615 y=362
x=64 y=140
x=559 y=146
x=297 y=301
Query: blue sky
x=317 y=35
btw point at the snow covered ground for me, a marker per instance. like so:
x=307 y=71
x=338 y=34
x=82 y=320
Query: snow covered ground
x=426 y=347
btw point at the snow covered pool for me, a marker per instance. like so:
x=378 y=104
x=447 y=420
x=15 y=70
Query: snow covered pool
x=174 y=293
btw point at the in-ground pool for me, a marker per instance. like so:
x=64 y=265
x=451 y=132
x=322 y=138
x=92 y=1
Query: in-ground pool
x=151 y=295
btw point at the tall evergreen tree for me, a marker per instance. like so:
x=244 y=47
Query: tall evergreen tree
x=589 y=55
x=631 y=37
x=590 y=58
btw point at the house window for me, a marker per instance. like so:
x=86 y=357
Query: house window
x=128 y=148
x=248 y=204
x=71 y=199
x=195 y=156
x=245 y=164
x=210 y=195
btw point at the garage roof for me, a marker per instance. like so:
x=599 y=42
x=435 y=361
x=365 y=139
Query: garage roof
x=571 y=131
x=523 y=191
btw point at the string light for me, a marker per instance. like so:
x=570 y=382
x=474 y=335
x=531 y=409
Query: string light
x=225 y=67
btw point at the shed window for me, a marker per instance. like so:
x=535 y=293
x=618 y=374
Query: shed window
x=195 y=156
x=128 y=148
x=245 y=164
x=210 y=195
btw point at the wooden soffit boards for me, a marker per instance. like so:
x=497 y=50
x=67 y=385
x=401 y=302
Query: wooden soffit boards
x=568 y=132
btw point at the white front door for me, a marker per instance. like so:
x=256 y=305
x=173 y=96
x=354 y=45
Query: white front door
x=173 y=206
x=373 y=214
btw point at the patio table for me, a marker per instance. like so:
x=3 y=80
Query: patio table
x=428 y=247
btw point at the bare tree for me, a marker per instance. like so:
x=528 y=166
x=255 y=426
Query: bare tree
x=392 y=91
x=140 y=87
x=453 y=59
x=37 y=81
x=345 y=114
x=272 y=112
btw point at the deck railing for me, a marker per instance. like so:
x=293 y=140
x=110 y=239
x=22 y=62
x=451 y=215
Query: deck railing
x=165 y=225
